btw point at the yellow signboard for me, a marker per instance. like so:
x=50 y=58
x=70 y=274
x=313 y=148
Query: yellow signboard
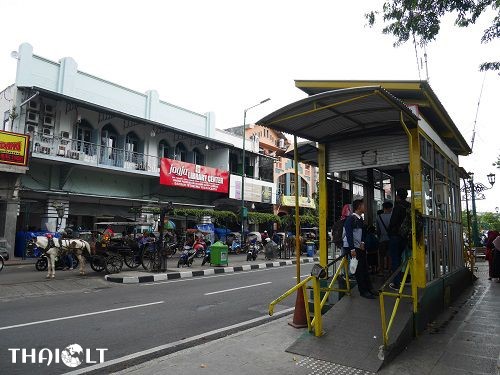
x=289 y=200
x=13 y=148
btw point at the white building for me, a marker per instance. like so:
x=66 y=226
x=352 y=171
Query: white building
x=96 y=148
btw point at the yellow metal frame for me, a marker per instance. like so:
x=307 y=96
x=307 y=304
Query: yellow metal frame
x=315 y=325
x=386 y=328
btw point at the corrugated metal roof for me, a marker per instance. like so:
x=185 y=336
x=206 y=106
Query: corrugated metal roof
x=326 y=116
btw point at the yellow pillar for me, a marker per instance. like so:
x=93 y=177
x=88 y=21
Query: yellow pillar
x=418 y=277
x=323 y=206
x=297 y=207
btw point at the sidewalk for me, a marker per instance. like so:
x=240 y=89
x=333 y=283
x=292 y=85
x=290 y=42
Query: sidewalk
x=237 y=263
x=463 y=340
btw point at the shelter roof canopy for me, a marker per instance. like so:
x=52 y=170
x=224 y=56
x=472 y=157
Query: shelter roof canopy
x=341 y=113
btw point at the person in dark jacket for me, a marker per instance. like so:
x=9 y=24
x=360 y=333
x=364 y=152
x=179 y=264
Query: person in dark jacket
x=397 y=243
x=354 y=247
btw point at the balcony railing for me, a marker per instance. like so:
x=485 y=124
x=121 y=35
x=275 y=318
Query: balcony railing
x=93 y=154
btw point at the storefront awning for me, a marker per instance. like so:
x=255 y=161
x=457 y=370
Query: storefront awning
x=331 y=115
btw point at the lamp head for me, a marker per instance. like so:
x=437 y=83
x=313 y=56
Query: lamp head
x=265 y=100
x=471 y=176
x=491 y=178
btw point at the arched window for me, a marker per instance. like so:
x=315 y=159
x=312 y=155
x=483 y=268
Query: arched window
x=83 y=134
x=198 y=157
x=304 y=187
x=109 y=138
x=163 y=149
x=180 y=152
x=282 y=184
x=131 y=147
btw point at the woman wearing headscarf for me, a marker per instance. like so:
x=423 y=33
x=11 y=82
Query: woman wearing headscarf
x=490 y=254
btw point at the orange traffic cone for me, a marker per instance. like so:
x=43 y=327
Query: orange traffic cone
x=299 y=315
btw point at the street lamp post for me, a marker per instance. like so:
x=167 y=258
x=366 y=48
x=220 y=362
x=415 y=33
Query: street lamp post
x=474 y=190
x=243 y=213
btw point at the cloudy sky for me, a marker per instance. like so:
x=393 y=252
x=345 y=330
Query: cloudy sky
x=223 y=56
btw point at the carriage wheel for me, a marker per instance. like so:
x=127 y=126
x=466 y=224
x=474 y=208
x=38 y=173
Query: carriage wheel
x=148 y=257
x=41 y=264
x=132 y=260
x=114 y=264
x=97 y=264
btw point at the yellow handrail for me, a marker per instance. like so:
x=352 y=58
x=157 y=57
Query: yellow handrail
x=287 y=294
x=344 y=265
x=386 y=328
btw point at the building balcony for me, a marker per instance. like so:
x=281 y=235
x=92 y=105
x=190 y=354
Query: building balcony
x=90 y=154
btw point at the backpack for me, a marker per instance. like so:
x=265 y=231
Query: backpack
x=338 y=233
x=406 y=230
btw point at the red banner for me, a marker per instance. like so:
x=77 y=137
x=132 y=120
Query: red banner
x=186 y=175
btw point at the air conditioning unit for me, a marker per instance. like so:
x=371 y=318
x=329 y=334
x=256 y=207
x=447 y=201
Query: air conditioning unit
x=32 y=117
x=281 y=143
x=47 y=132
x=32 y=128
x=65 y=135
x=48 y=121
x=33 y=105
x=48 y=109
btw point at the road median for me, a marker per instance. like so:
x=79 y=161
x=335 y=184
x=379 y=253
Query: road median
x=137 y=277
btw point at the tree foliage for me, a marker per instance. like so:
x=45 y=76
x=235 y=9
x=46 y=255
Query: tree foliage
x=485 y=220
x=421 y=19
x=262 y=218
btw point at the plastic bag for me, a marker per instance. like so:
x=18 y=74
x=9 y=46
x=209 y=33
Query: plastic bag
x=353 y=264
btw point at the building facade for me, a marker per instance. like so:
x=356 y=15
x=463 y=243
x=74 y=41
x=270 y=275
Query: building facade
x=96 y=149
x=275 y=144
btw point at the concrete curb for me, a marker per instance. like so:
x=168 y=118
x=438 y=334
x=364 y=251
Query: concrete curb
x=207 y=272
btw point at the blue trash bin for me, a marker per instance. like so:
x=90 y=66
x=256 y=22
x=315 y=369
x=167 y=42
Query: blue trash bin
x=311 y=249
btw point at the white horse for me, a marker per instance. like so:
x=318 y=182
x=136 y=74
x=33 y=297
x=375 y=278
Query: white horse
x=73 y=245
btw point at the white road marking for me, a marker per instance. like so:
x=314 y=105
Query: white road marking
x=240 y=287
x=295 y=277
x=79 y=315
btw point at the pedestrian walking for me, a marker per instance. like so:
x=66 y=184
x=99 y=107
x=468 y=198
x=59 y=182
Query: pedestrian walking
x=493 y=254
x=354 y=247
x=495 y=259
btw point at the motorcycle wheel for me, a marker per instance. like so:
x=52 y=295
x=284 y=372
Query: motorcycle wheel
x=1 y=263
x=190 y=262
x=97 y=264
x=254 y=257
x=179 y=263
x=249 y=257
x=42 y=264
x=114 y=264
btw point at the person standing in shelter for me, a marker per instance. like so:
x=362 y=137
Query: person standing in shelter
x=495 y=267
x=397 y=242
x=354 y=247
x=383 y=221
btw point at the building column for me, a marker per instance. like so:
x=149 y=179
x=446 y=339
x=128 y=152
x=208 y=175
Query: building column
x=9 y=210
x=50 y=218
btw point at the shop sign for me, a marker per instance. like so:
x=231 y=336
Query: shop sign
x=191 y=176
x=14 y=148
x=289 y=200
x=255 y=190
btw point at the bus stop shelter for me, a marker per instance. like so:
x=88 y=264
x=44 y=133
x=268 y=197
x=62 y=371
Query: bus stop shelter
x=372 y=138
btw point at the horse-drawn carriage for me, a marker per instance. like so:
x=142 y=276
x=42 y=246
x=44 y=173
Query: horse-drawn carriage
x=112 y=248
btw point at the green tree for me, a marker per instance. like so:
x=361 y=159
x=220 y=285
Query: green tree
x=488 y=221
x=420 y=20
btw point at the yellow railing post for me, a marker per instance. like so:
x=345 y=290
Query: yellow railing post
x=306 y=303
x=318 y=323
x=383 y=319
x=323 y=202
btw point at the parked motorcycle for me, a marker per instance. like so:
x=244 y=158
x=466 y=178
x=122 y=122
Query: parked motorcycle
x=43 y=263
x=196 y=250
x=236 y=246
x=206 y=258
x=253 y=250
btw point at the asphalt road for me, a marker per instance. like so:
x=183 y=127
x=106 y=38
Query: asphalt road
x=125 y=319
